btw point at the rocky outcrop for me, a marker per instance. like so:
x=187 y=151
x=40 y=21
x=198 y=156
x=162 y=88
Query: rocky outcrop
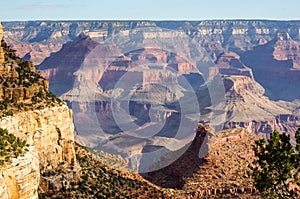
x=225 y=170
x=20 y=80
x=35 y=114
x=22 y=88
x=50 y=131
x=247 y=107
x=245 y=100
x=20 y=179
x=221 y=172
x=31 y=113
x=173 y=175
x=287 y=49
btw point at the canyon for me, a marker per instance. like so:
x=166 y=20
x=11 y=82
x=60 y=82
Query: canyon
x=154 y=71
x=138 y=89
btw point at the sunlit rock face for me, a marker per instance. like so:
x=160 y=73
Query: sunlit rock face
x=33 y=114
x=20 y=179
x=50 y=131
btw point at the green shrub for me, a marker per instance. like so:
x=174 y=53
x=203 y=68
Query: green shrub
x=276 y=169
x=10 y=146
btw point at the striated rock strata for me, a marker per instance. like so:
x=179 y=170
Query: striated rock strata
x=50 y=130
x=247 y=107
x=30 y=112
x=36 y=40
x=20 y=179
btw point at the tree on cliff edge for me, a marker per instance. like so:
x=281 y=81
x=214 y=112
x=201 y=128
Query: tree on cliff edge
x=277 y=166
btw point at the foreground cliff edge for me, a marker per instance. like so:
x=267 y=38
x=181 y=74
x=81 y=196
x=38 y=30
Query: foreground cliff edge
x=35 y=115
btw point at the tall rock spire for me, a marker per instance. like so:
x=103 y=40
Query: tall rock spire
x=1 y=50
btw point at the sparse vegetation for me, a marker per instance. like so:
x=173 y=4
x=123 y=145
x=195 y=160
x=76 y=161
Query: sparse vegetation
x=25 y=88
x=97 y=180
x=10 y=146
x=276 y=169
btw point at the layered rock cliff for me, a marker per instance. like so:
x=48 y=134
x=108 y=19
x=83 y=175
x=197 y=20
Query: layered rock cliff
x=35 y=115
x=50 y=131
x=37 y=39
x=31 y=113
x=21 y=178
x=247 y=107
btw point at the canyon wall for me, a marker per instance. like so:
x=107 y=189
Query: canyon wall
x=50 y=131
x=50 y=134
x=30 y=112
x=46 y=37
x=20 y=179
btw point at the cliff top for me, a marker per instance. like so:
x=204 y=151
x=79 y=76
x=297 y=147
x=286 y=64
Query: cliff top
x=21 y=86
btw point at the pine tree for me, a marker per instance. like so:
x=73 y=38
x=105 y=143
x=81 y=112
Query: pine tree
x=277 y=165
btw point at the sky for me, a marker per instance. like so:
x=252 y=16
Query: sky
x=22 y=10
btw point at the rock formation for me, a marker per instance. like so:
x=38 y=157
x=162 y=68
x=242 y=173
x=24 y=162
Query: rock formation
x=223 y=171
x=19 y=80
x=30 y=112
x=20 y=179
x=50 y=131
x=245 y=100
